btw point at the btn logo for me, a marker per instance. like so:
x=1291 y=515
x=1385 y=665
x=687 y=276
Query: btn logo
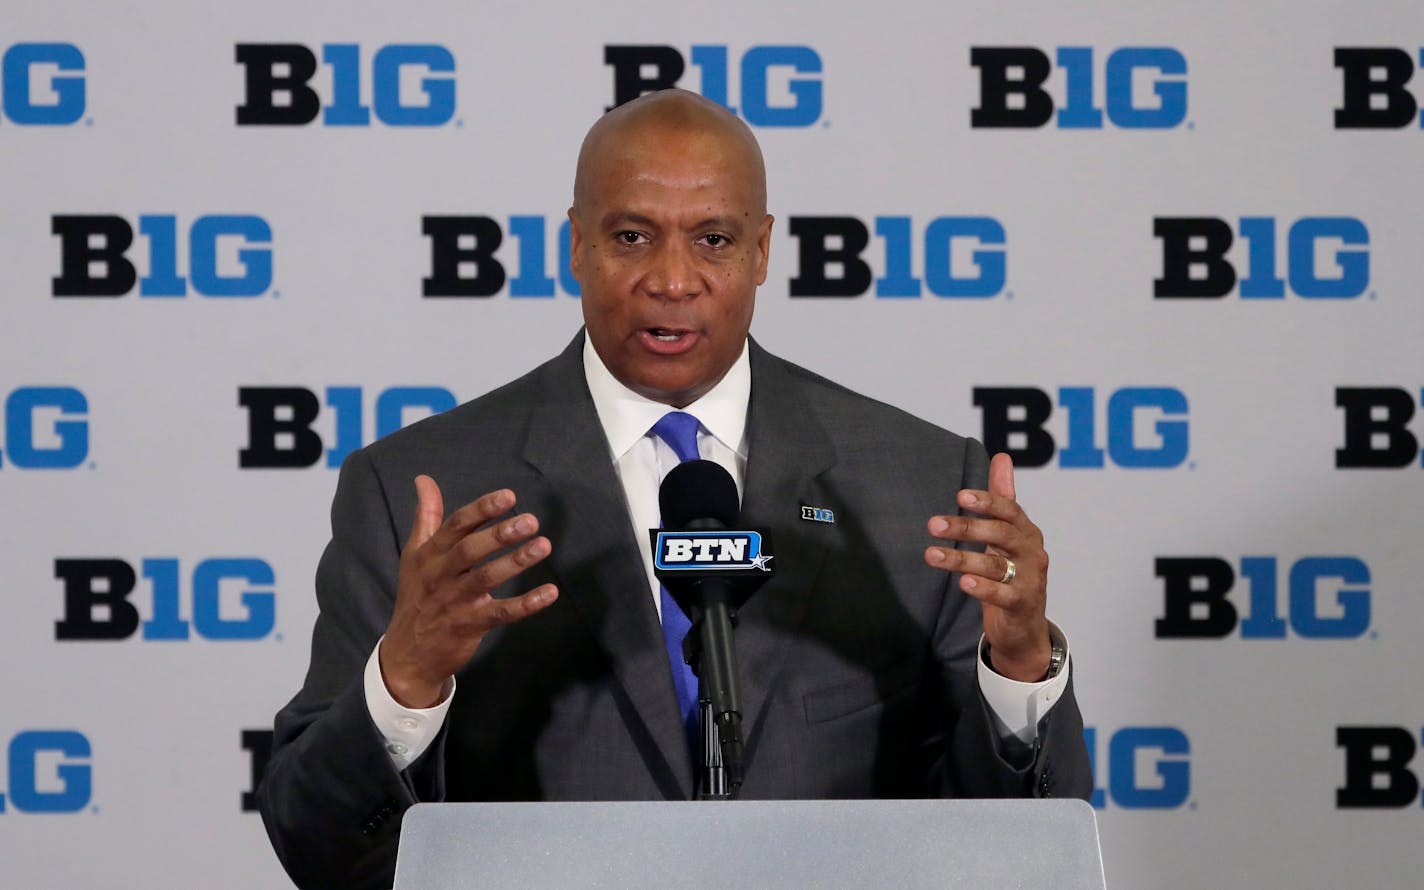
x=1015 y=418
x=1012 y=90
x=961 y=256
x=1195 y=604
x=258 y=745
x=703 y=551
x=280 y=419
x=1377 y=432
x=463 y=261
x=228 y=256
x=1148 y=768
x=1194 y=261
x=49 y=772
x=277 y=83
x=780 y=85
x=1375 y=83
x=97 y=600
x=46 y=428
x=1377 y=773
x=42 y=84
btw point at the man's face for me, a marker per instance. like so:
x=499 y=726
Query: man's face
x=669 y=243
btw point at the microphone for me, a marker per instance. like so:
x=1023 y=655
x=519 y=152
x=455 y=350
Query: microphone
x=711 y=568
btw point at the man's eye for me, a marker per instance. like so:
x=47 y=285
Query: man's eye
x=714 y=239
x=628 y=237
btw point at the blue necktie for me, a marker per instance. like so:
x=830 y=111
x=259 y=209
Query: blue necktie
x=679 y=431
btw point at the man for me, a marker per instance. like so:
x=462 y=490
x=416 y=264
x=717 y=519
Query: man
x=861 y=661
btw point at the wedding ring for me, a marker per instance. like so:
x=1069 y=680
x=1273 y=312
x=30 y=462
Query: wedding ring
x=1010 y=570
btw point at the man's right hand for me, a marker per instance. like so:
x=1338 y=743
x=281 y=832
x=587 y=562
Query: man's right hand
x=443 y=604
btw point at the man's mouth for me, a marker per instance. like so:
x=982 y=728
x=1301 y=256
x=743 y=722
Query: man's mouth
x=667 y=341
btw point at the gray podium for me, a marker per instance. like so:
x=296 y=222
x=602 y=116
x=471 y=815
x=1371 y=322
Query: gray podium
x=1052 y=844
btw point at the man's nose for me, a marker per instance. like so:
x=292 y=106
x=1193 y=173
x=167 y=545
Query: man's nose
x=673 y=274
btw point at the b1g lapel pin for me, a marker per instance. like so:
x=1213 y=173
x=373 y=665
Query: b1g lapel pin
x=818 y=514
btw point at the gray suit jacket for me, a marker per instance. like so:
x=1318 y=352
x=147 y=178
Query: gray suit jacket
x=856 y=661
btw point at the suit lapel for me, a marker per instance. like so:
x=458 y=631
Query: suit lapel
x=787 y=453
x=597 y=562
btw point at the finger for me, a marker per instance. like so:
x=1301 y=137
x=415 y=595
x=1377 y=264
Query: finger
x=985 y=565
x=470 y=517
x=987 y=503
x=429 y=512
x=482 y=543
x=488 y=612
x=991 y=593
x=976 y=530
x=490 y=574
x=1001 y=476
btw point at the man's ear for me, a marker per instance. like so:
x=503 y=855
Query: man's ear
x=764 y=248
x=575 y=246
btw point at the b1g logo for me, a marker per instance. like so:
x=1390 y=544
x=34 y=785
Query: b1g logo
x=45 y=428
x=1376 y=88
x=1326 y=257
x=98 y=596
x=463 y=261
x=278 y=92
x=280 y=419
x=1148 y=768
x=959 y=256
x=42 y=84
x=1377 y=768
x=258 y=745
x=1328 y=598
x=780 y=85
x=1013 y=92
x=1377 y=432
x=228 y=256
x=1015 y=419
x=49 y=772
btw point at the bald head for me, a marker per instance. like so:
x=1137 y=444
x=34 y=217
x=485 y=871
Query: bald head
x=669 y=120
x=669 y=239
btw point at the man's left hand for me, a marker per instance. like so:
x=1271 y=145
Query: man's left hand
x=1015 y=624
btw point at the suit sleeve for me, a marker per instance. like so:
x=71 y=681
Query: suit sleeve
x=966 y=755
x=330 y=796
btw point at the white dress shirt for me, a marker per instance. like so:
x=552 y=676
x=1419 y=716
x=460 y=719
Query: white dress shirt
x=641 y=460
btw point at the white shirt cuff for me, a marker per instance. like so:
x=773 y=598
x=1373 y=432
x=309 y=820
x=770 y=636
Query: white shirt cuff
x=1017 y=706
x=408 y=731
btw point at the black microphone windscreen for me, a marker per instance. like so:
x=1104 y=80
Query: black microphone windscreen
x=698 y=489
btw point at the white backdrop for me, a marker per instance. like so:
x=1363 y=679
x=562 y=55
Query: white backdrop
x=124 y=763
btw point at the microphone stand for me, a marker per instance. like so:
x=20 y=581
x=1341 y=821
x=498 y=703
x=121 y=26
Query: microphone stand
x=719 y=701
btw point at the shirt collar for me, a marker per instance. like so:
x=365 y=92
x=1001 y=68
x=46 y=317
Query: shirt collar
x=626 y=416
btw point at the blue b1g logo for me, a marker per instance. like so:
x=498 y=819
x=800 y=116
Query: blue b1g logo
x=229 y=255
x=98 y=596
x=1195 y=604
x=280 y=420
x=1148 y=768
x=463 y=261
x=49 y=772
x=1013 y=92
x=42 y=84
x=1326 y=257
x=45 y=428
x=278 y=92
x=780 y=85
x=949 y=256
x=1015 y=421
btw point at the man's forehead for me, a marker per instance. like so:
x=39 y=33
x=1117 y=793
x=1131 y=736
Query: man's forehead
x=667 y=129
